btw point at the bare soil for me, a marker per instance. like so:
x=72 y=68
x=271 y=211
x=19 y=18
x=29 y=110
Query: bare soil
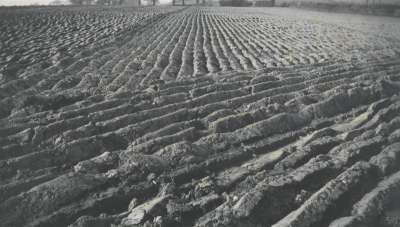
x=171 y=116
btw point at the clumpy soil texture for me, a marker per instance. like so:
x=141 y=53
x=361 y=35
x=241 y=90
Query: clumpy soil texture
x=198 y=117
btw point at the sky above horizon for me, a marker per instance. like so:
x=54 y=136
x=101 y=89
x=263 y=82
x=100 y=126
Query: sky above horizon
x=23 y=2
x=35 y=2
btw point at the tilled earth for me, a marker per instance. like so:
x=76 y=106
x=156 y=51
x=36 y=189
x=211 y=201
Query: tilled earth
x=48 y=34
x=208 y=117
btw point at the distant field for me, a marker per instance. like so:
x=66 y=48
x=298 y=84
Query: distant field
x=32 y=35
x=374 y=7
x=358 y=2
x=198 y=116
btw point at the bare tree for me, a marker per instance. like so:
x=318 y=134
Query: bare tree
x=103 y=2
x=82 y=2
x=152 y=2
x=76 y=2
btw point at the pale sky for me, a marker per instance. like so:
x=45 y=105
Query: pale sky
x=23 y=2
x=33 y=2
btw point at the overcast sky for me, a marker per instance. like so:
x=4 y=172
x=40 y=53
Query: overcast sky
x=23 y=2
x=33 y=2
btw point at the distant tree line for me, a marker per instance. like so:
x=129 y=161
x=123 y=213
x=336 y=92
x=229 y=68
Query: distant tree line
x=235 y=3
x=154 y=2
x=245 y=3
x=97 y=2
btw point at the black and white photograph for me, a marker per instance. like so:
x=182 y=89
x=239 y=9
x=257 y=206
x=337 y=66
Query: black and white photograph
x=199 y=113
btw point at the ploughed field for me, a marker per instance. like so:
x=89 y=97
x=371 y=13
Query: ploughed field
x=170 y=116
x=46 y=35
